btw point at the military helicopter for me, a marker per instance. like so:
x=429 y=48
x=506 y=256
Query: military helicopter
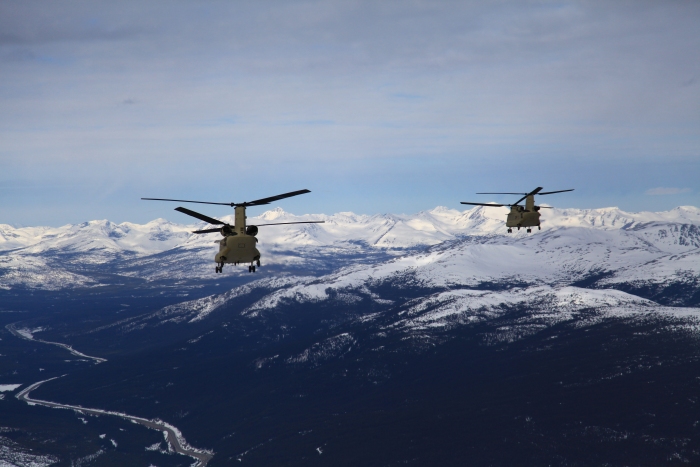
x=238 y=244
x=520 y=216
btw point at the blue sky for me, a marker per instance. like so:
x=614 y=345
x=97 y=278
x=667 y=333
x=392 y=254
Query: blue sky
x=373 y=106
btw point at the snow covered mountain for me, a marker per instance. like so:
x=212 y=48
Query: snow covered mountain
x=639 y=247
x=586 y=266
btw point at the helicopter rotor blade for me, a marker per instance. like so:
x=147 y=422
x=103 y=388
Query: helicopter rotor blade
x=491 y=193
x=285 y=223
x=545 y=207
x=269 y=200
x=207 y=231
x=484 y=204
x=256 y=202
x=199 y=216
x=552 y=192
x=187 y=201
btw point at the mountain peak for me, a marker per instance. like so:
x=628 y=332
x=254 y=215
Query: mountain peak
x=440 y=209
x=273 y=214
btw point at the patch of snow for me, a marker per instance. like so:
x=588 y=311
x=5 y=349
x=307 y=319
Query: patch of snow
x=9 y=387
x=333 y=347
x=14 y=455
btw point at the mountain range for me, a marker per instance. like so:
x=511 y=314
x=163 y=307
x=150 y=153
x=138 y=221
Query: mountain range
x=428 y=339
x=69 y=256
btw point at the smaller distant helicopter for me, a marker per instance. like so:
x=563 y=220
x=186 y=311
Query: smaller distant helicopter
x=238 y=244
x=519 y=216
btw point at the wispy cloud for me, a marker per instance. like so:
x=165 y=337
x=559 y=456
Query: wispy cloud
x=667 y=191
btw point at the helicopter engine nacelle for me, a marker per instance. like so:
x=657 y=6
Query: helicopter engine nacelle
x=227 y=230
x=251 y=230
x=536 y=208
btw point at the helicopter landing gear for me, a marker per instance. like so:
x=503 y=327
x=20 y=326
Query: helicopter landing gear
x=529 y=230
x=220 y=266
x=510 y=230
x=258 y=263
x=251 y=268
x=539 y=228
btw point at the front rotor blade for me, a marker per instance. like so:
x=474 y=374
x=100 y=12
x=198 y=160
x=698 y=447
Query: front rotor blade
x=284 y=223
x=269 y=200
x=207 y=231
x=199 y=216
x=484 y=204
x=551 y=192
x=501 y=193
x=187 y=201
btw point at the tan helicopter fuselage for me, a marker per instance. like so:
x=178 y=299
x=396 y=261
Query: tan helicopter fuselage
x=524 y=217
x=237 y=246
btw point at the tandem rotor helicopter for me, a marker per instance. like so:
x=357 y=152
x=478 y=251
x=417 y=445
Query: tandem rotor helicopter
x=238 y=244
x=520 y=216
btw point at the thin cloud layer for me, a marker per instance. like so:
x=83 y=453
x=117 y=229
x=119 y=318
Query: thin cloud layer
x=667 y=191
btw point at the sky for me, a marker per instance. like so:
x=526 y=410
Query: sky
x=376 y=107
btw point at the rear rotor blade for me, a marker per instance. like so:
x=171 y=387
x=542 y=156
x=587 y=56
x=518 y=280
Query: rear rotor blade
x=269 y=200
x=187 y=201
x=207 y=231
x=284 y=223
x=199 y=216
x=552 y=192
x=484 y=204
x=533 y=192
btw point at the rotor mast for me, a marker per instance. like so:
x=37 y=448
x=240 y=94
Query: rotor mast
x=530 y=203
x=239 y=220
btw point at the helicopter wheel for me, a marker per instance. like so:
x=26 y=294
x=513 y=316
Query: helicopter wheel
x=510 y=230
x=529 y=231
x=539 y=228
x=250 y=268
x=253 y=268
x=258 y=263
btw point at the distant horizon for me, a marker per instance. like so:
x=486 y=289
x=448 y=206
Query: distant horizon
x=279 y=208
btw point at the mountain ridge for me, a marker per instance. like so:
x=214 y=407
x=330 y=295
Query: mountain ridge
x=54 y=258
